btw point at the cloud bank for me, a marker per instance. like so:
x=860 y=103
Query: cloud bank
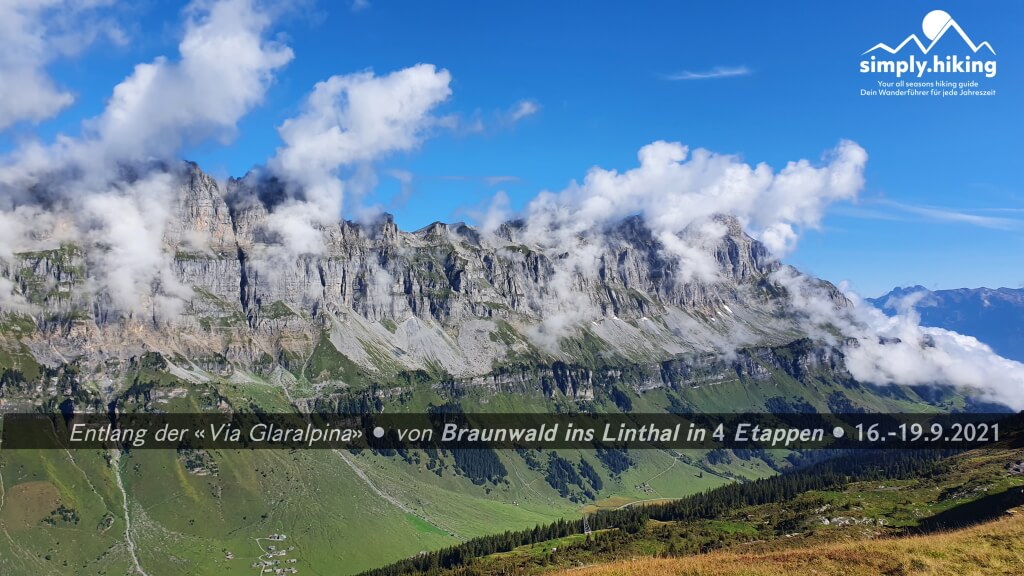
x=674 y=189
x=897 y=350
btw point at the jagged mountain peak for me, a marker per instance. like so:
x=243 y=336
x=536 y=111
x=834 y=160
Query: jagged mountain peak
x=249 y=200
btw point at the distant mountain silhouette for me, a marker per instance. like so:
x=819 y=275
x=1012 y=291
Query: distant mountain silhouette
x=996 y=317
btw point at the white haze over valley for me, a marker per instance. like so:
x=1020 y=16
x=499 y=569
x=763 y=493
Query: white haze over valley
x=72 y=188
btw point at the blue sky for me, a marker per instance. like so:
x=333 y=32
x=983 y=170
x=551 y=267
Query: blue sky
x=943 y=205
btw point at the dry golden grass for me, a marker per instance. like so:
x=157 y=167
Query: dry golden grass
x=993 y=548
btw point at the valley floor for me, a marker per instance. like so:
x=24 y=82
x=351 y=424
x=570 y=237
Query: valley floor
x=988 y=549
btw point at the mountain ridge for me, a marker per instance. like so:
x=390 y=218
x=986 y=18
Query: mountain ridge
x=386 y=299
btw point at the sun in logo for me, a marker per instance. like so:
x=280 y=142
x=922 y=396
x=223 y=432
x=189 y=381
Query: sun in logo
x=934 y=22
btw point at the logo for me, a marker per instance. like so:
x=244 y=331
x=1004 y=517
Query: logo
x=962 y=54
x=935 y=25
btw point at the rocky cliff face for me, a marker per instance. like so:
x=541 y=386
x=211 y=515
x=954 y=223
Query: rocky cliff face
x=379 y=300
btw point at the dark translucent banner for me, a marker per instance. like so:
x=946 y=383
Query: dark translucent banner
x=457 y=430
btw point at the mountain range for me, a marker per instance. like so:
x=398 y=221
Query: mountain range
x=994 y=316
x=219 y=319
x=380 y=301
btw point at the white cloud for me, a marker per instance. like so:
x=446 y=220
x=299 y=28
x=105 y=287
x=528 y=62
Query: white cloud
x=676 y=191
x=716 y=72
x=225 y=68
x=10 y=299
x=358 y=118
x=125 y=226
x=522 y=109
x=493 y=121
x=497 y=213
x=348 y=121
x=567 y=305
x=33 y=33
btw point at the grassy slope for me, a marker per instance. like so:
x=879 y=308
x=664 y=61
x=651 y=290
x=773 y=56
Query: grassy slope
x=35 y=483
x=972 y=487
x=988 y=549
x=184 y=523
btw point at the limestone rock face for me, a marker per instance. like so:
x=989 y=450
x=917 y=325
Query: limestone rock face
x=200 y=218
x=441 y=298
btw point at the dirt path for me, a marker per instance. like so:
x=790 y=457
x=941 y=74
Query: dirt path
x=389 y=498
x=116 y=460
x=366 y=479
x=529 y=485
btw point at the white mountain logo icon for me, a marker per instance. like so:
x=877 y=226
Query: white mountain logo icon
x=935 y=25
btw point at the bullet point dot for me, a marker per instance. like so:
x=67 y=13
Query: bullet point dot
x=838 y=432
x=378 y=432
